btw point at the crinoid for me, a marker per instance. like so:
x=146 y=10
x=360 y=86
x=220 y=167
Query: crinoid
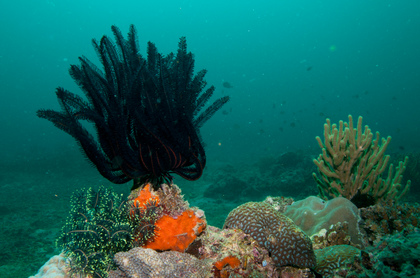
x=143 y=221
x=146 y=111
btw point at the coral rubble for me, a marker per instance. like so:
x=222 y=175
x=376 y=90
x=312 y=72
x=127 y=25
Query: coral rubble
x=387 y=218
x=337 y=234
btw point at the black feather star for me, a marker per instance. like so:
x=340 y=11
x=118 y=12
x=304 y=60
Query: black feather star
x=146 y=111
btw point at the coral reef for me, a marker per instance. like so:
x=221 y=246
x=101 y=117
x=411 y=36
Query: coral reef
x=388 y=218
x=147 y=263
x=219 y=254
x=102 y=224
x=393 y=256
x=352 y=163
x=98 y=227
x=397 y=256
x=232 y=252
x=333 y=259
x=286 y=242
x=146 y=112
x=314 y=214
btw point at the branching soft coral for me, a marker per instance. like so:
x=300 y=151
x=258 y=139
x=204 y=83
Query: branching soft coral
x=352 y=163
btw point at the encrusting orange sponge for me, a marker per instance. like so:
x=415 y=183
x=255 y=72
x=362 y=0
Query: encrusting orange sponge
x=229 y=260
x=177 y=234
x=174 y=233
x=144 y=196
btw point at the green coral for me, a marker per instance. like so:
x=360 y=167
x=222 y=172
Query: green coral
x=99 y=226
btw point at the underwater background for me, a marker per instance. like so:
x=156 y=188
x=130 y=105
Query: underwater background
x=286 y=65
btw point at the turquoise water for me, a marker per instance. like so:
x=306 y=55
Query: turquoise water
x=290 y=65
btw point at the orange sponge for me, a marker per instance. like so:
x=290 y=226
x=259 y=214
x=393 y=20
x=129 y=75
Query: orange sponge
x=177 y=233
x=144 y=196
x=230 y=260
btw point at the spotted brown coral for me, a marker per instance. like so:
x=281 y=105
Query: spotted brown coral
x=286 y=242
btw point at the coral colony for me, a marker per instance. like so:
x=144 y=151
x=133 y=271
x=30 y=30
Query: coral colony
x=352 y=163
x=146 y=112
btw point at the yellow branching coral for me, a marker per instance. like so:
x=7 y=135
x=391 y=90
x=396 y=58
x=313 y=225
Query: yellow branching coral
x=352 y=163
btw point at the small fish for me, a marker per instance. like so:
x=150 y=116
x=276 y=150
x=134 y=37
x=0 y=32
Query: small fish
x=227 y=85
x=309 y=68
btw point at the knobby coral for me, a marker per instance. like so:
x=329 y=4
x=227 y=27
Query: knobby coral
x=146 y=111
x=286 y=242
x=352 y=163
